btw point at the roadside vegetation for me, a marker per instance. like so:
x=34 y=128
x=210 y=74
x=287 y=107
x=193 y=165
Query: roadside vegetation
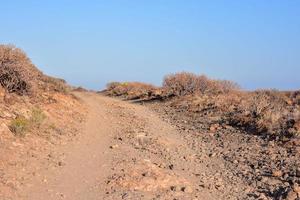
x=21 y=125
x=18 y=75
x=269 y=113
x=25 y=92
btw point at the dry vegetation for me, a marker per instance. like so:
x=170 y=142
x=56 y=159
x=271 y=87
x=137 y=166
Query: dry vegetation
x=272 y=114
x=131 y=90
x=35 y=111
x=26 y=92
x=18 y=74
x=182 y=84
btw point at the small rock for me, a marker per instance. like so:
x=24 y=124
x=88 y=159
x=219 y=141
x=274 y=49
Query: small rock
x=173 y=188
x=125 y=195
x=296 y=188
x=214 y=127
x=145 y=174
x=291 y=195
x=212 y=154
x=262 y=196
x=114 y=146
x=187 y=189
x=15 y=144
x=277 y=173
x=298 y=172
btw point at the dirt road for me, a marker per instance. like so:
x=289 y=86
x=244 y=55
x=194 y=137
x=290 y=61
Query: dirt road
x=126 y=151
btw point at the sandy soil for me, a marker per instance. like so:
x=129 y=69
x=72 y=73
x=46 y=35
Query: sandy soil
x=128 y=151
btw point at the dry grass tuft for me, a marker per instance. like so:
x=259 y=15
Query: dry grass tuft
x=19 y=126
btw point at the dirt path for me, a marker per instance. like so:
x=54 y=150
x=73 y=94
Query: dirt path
x=82 y=163
x=126 y=151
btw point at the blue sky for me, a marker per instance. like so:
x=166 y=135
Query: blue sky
x=255 y=42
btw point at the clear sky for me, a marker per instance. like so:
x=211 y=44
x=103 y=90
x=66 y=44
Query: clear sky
x=253 y=42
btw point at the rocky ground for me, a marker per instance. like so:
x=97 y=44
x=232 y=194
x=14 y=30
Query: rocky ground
x=254 y=167
x=153 y=151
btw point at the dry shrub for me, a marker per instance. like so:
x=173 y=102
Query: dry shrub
x=130 y=90
x=184 y=83
x=54 y=84
x=295 y=97
x=17 y=73
x=181 y=84
x=19 y=126
x=226 y=86
x=265 y=112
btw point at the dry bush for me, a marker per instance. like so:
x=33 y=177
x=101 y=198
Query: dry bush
x=226 y=86
x=80 y=89
x=265 y=112
x=295 y=97
x=17 y=73
x=54 y=84
x=130 y=90
x=112 y=85
x=184 y=83
x=181 y=84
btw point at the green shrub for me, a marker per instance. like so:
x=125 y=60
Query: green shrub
x=19 y=126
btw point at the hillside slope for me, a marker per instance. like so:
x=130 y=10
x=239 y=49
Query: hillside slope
x=37 y=112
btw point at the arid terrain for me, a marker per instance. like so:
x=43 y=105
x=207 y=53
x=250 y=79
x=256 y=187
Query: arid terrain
x=192 y=138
